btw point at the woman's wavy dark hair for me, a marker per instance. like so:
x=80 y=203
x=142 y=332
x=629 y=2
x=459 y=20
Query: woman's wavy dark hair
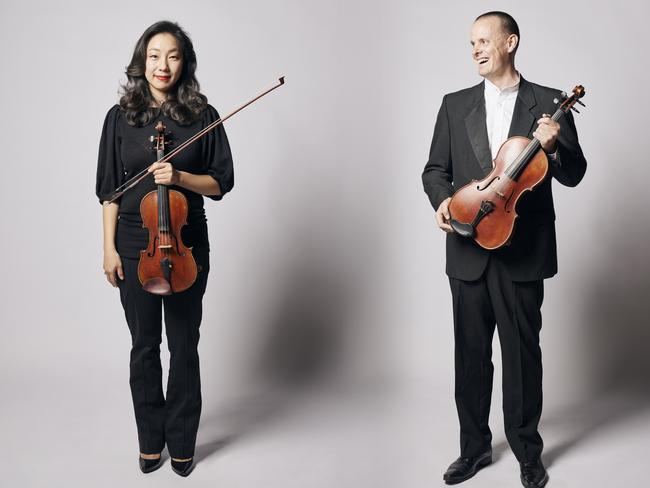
x=184 y=103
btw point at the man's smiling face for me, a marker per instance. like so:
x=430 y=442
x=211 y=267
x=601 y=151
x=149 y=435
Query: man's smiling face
x=491 y=47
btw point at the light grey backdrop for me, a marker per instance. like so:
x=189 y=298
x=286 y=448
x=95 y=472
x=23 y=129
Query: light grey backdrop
x=326 y=346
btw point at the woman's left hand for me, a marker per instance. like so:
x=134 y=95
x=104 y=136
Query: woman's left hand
x=164 y=174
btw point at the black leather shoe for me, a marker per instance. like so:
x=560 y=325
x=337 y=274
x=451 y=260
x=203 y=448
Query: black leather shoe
x=533 y=474
x=464 y=468
x=149 y=465
x=183 y=468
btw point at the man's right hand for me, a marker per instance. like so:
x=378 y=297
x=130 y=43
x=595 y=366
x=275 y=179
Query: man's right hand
x=442 y=216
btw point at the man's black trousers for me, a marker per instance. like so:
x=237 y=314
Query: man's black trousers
x=174 y=417
x=515 y=308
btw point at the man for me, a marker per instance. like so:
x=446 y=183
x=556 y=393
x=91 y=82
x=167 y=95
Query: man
x=503 y=286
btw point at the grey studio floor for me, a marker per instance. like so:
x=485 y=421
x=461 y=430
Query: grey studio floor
x=78 y=430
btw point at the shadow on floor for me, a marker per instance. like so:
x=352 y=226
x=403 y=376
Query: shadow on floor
x=615 y=334
x=586 y=420
x=303 y=341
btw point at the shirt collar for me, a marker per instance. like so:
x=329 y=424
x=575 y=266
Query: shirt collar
x=494 y=90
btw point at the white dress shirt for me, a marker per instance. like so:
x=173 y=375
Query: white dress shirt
x=499 y=105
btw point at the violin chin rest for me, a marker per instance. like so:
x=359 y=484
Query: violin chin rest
x=463 y=230
x=157 y=286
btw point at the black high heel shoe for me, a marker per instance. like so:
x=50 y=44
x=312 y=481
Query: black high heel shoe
x=149 y=465
x=182 y=468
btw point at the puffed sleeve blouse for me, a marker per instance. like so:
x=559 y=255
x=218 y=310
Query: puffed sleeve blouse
x=125 y=150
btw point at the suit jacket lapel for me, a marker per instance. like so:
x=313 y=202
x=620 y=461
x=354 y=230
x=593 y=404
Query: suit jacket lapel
x=477 y=130
x=522 y=115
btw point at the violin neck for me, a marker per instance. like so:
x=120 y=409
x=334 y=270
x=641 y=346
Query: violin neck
x=514 y=169
x=163 y=202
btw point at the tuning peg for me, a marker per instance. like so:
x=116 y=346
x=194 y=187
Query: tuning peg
x=561 y=98
x=575 y=110
x=581 y=103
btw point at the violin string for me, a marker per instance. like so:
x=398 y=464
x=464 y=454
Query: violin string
x=161 y=222
x=166 y=212
x=163 y=208
x=166 y=220
x=520 y=161
x=517 y=165
x=161 y=218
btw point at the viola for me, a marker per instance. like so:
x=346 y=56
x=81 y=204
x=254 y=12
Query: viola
x=166 y=266
x=485 y=210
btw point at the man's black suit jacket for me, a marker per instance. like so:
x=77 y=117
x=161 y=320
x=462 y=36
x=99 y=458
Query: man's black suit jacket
x=460 y=153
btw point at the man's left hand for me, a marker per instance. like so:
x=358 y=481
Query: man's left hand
x=546 y=133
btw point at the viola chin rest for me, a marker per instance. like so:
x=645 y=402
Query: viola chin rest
x=158 y=286
x=463 y=230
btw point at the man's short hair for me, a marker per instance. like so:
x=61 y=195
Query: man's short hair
x=507 y=21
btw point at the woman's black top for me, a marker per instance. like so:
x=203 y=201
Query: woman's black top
x=125 y=150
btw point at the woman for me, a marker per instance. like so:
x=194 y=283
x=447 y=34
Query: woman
x=161 y=87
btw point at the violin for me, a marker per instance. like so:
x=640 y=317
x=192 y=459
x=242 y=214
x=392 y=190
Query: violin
x=166 y=266
x=485 y=210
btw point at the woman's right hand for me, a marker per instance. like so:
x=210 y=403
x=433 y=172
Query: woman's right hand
x=113 y=267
